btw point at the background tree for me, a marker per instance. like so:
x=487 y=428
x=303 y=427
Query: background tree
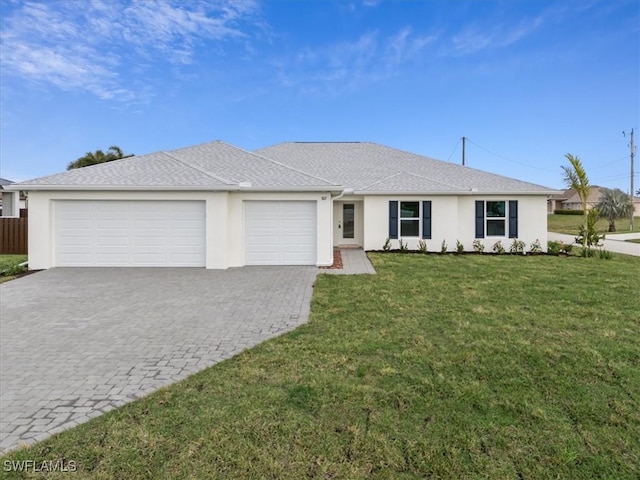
x=93 y=158
x=614 y=204
x=576 y=177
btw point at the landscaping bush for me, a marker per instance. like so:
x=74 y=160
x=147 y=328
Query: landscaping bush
x=568 y=212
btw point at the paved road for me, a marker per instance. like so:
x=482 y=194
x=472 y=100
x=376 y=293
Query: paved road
x=614 y=243
x=75 y=343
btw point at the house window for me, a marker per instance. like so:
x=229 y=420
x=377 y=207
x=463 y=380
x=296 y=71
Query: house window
x=496 y=219
x=492 y=217
x=409 y=219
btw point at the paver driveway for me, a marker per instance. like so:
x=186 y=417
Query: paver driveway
x=77 y=342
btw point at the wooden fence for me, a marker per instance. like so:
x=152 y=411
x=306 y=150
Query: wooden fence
x=13 y=236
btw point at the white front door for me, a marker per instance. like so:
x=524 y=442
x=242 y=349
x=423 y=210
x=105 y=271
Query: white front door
x=347 y=217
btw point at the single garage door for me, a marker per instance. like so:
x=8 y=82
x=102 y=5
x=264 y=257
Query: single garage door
x=280 y=233
x=129 y=233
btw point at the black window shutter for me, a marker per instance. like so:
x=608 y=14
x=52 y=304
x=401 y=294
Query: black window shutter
x=479 y=219
x=513 y=219
x=393 y=219
x=426 y=219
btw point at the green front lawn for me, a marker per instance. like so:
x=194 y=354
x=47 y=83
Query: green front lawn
x=468 y=366
x=570 y=224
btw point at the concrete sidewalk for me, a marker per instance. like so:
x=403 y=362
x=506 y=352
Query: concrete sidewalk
x=354 y=262
x=613 y=243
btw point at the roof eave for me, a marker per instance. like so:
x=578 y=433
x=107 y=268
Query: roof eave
x=156 y=188
x=454 y=192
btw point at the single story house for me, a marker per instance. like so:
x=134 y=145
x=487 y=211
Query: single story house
x=570 y=200
x=218 y=206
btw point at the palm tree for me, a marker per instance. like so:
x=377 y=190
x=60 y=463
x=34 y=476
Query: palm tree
x=614 y=204
x=575 y=177
x=93 y=158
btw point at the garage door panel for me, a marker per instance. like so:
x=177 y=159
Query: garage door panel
x=280 y=233
x=129 y=233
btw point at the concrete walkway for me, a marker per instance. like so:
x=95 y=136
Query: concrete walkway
x=614 y=243
x=77 y=342
x=354 y=262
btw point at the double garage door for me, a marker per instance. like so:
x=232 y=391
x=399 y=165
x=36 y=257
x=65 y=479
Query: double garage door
x=172 y=233
x=129 y=233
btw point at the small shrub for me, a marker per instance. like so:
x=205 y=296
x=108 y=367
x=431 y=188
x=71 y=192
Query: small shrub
x=587 y=252
x=478 y=246
x=517 y=247
x=535 y=248
x=387 y=245
x=591 y=234
x=568 y=212
x=443 y=246
x=558 y=248
x=604 y=254
x=404 y=246
x=498 y=247
x=553 y=247
x=422 y=246
x=13 y=270
x=459 y=247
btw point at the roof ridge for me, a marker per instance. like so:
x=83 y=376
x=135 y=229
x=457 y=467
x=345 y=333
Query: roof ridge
x=381 y=180
x=208 y=174
x=262 y=157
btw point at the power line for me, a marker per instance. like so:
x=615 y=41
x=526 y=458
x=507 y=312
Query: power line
x=509 y=159
x=454 y=149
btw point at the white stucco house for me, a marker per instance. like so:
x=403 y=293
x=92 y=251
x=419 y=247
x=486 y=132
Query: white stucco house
x=218 y=206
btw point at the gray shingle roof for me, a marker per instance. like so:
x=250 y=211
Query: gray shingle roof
x=365 y=167
x=369 y=167
x=215 y=165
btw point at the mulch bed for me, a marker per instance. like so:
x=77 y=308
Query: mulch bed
x=337 y=260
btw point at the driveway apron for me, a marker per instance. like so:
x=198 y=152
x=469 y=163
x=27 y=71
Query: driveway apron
x=78 y=342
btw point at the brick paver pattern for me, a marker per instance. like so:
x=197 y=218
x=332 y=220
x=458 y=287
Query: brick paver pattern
x=78 y=342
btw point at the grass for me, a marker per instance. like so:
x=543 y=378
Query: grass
x=10 y=263
x=633 y=240
x=447 y=366
x=570 y=224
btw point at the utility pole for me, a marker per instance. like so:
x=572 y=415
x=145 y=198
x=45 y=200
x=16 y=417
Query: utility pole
x=631 y=192
x=464 y=141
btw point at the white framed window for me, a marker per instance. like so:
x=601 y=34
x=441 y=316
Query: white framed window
x=496 y=218
x=409 y=219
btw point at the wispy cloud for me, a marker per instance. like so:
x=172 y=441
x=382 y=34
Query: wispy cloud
x=89 y=45
x=477 y=37
x=348 y=64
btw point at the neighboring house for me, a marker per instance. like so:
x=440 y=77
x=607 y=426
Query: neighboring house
x=569 y=200
x=12 y=208
x=218 y=206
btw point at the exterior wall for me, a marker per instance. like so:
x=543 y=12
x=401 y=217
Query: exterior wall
x=453 y=219
x=224 y=221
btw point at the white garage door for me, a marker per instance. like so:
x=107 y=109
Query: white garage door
x=280 y=233
x=129 y=233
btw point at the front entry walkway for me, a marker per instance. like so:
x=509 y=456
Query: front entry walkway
x=77 y=342
x=354 y=262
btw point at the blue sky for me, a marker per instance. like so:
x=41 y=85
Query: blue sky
x=526 y=81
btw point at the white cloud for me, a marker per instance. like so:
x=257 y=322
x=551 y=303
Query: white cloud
x=348 y=64
x=89 y=45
